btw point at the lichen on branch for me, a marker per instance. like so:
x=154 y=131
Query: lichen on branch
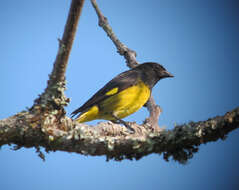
x=112 y=140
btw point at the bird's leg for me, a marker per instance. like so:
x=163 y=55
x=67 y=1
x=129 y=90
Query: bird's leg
x=118 y=120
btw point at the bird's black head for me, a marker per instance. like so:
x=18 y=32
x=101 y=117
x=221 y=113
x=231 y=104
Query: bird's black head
x=159 y=70
x=153 y=72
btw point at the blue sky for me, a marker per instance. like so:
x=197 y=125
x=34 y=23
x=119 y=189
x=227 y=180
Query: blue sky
x=195 y=40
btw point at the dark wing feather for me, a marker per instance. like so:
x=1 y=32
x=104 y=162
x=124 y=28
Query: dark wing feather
x=121 y=81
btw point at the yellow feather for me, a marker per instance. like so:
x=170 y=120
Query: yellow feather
x=91 y=114
x=125 y=102
x=112 y=91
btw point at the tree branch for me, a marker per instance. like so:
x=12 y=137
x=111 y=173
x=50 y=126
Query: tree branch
x=131 y=61
x=65 y=44
x=53 y=96
x=112 y=140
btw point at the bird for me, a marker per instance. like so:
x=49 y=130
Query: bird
x=123 y=95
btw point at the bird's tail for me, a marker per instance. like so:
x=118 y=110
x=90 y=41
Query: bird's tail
x=89 y=115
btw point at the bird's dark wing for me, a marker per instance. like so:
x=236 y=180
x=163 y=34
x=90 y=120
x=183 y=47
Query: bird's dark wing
x=120 y=82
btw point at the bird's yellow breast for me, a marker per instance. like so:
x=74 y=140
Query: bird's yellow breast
x=120 y=104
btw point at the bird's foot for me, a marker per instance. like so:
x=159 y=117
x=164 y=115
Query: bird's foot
x=120 y=121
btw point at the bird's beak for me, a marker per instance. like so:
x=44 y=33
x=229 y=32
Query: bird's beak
x=166 y=74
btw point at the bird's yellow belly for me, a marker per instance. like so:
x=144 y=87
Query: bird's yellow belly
x=124 y=103
x=121 y=104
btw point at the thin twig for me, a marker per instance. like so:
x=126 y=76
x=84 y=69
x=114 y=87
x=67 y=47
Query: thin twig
x=123 y=50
